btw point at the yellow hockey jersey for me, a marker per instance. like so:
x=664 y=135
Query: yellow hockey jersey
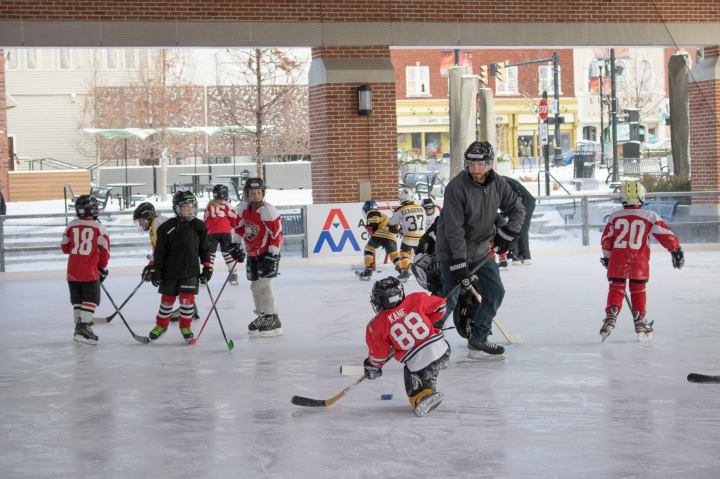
x=378 y=223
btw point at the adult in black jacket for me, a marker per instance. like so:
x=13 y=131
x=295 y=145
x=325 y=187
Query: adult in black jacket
x=521 y=248
x=466 y=234
x=181 y=242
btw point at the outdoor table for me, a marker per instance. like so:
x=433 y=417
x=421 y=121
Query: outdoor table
x=195 y=180
x=126 y=192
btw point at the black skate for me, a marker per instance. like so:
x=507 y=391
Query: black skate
x=234 y=279
x=84 y=334
x=270 y=325
x=643 y=328
x=609 y=323
x=503 y=265
x=428 y=403
x=484 y=349
x=364 y=275
x=404 y=275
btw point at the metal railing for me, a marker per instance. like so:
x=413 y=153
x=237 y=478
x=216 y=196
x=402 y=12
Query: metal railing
x=21 y=235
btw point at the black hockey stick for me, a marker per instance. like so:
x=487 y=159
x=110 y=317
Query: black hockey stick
x=195 y=339
x=107 y=319
x=230 y=343
x=141 y=339
x=308 y=402
x=702 y=378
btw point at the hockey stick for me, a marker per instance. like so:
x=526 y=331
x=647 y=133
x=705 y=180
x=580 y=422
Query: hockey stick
x=308 y=402
x=107 y=319
x=141 y=339
x=512 y=338
x=702 y=378
x=232 y=270
x=230 y=343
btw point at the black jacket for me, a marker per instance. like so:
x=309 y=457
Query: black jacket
x=179 y=245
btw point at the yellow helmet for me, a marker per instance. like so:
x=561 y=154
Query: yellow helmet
x=632 y=193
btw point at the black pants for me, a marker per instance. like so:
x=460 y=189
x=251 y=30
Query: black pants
x=176 y=286
x=84 y=291
x=522 y=245
x=222 y=239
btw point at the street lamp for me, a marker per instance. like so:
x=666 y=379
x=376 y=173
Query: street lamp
x=364 y=100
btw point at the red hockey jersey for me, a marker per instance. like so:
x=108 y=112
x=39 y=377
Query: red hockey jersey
x=88 y=244
x=220 y=217
x=407 y=332
x=260 y=228
x=625 y=241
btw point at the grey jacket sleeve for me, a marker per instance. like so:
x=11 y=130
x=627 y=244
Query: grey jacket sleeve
x=511 y=205
x=454 y=221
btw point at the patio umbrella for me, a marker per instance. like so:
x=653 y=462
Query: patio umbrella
x=124 y=133
x=212 y=131
x=233 y=130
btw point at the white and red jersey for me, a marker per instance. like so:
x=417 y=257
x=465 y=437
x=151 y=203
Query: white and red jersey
x=260 y=228
x=407 y=332
x=220 y=217
x=625 y=241
x=88 y=244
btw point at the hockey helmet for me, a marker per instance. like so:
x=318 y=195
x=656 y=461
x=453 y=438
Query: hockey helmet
x=253 y=184
x=86 y=206
x=407 y=195
x=144 y=212
x=632 y=193
x=220 y=192
x=181 y=200
x=369 y=205
x=387 y=293
x=481 y=151
x=429 y=205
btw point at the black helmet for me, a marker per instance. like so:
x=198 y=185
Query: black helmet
x=480 y=151
x=220 y=192
x=387 y=293
x=86 y=206
x=428 y=204
x=181 y=198
x=144 y=211
x=251 y=184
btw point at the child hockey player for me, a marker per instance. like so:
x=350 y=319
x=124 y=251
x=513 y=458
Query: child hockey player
x=403 y=327
x=147 y=219
x=220 y=219
x=87 y=243
x=180 y=242
x=409 y=220
x=431 y=212
x=260 y=227
x=377 y=226
x=626 y=256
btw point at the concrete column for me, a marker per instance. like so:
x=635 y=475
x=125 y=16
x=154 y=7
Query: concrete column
x=4 y=158
x=457 y=137
x=352 y=154
x=678 y=82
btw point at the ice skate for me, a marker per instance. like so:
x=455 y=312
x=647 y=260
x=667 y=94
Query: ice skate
x=270 y=326
x=187 y=334
x=254 y=326
x=84 y=334
x=428 y=403
x=608 y=323
x=643 y=328
x=484 y=349
x=156 y=332
x=404 y=275
x=364 y=275
x=234 y=279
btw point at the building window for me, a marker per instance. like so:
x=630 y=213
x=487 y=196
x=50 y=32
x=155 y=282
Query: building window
x=112 y=58
x=620 y=75
x=38 y=59
x=12 y=61
x=645 y=76
x=510 y=85
x=417 y=80
x=65 y=59
x=130 y=58
x=545 y=81
x=590 y=133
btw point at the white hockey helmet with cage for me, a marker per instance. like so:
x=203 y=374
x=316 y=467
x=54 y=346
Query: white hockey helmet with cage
x=632 y=193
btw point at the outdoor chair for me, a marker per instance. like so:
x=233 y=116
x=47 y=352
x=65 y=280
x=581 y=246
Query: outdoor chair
x=102 y=195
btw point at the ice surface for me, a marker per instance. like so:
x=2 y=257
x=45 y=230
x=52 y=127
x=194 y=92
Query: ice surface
x=559 y=405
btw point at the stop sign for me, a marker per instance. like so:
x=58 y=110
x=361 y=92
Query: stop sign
x=543 y=109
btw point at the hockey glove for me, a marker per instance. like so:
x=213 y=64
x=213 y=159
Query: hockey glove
x=678 y=258
x=146 y=274
x=206 y=274
x=155 y=276
x=461 y=273
x=103 y=273
x=504 y=238
x=268 y=265
x=605 y=261
x=237 y=252
x=373 y=370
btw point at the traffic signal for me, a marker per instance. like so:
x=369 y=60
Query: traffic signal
x=484 y=74
x=500 y=71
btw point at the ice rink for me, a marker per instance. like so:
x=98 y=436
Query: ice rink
x=560 y=405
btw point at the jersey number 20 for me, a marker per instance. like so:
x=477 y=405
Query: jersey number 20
x=411 y=330
x=630 y=233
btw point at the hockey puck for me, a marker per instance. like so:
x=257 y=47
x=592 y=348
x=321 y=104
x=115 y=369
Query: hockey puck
x=386 y=397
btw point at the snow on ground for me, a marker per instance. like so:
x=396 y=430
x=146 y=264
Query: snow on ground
x=560 y=405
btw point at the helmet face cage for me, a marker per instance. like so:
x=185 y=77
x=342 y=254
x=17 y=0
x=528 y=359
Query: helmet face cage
x=253 y=184
x=220 y=192
x=183 y=199
x=369 y=206
x=632 y=193
x=86 y=206
x=387 y=293
x=429 y=205
x=144 y=212
x=406 y=195
x=481 y=151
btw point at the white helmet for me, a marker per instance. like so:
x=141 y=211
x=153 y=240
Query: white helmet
x=406 y=195
x=632 y=193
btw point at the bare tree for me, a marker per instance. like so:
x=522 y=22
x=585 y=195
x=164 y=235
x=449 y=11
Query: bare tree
x=259 y=87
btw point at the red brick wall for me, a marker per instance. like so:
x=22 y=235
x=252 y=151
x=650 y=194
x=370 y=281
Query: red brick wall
x=368 y=10
x=528 y=76
x=4 y=158
x=704 y=99
x=346 y=147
